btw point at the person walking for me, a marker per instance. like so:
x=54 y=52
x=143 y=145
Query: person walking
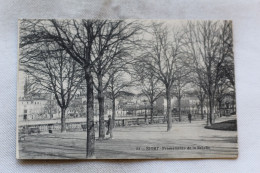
x=189 y=117
x=109 y=127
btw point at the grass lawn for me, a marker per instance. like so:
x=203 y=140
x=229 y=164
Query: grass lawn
x=230 y=125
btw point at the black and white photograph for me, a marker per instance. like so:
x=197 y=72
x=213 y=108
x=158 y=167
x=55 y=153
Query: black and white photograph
x=126 y=89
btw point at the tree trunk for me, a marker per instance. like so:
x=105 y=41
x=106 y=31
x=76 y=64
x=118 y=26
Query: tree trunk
x=151 y=112
x=219 y=107
x=208 y=118
x=101 y=116
x=168 y=110
x=101 y=109
x=201 y=110
x=51 y=116
x=111 y=127
x=207 y=114
x=113 y=112
x=145 y=116
x=211 y=110
x=179 y=104
x=233 y=105
x=63 y=120
x=90 y=115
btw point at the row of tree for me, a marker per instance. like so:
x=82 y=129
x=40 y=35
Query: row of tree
x=61 y=55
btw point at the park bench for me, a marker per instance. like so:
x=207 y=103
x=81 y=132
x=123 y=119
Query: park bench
x=29 y=130
x=84 y=126
x=33 y=130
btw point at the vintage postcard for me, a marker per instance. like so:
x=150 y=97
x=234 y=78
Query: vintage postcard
x=126 y=89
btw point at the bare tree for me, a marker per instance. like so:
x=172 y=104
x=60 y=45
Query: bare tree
x=205 y=42
x=116 y=86
x=76 y=37
x=50 y=107
x=201 y=96
x=227 y=81
x=179 y=86
x=223 y=89
x=111 y=46
x=162 y=56
x=52 y=70
x=150 y=85
x=226 y=39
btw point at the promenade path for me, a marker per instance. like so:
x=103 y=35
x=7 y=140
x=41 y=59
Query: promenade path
x=185 y=140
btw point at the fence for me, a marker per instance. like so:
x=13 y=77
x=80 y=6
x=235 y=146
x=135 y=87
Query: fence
x=80 y=123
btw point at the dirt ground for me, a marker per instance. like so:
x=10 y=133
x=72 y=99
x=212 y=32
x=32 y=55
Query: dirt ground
x=185 y=140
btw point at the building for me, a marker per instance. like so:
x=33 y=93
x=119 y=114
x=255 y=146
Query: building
x=35 y=106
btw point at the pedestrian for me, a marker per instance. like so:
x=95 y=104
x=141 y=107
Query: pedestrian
x=189 y=117
x=109 y=127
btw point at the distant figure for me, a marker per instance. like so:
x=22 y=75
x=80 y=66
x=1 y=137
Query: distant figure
x=109 y=126
x=189 y=117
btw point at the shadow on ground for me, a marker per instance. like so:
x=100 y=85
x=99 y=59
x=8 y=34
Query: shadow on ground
x=230 y=125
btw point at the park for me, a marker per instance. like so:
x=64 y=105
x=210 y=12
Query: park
x=110 y=89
